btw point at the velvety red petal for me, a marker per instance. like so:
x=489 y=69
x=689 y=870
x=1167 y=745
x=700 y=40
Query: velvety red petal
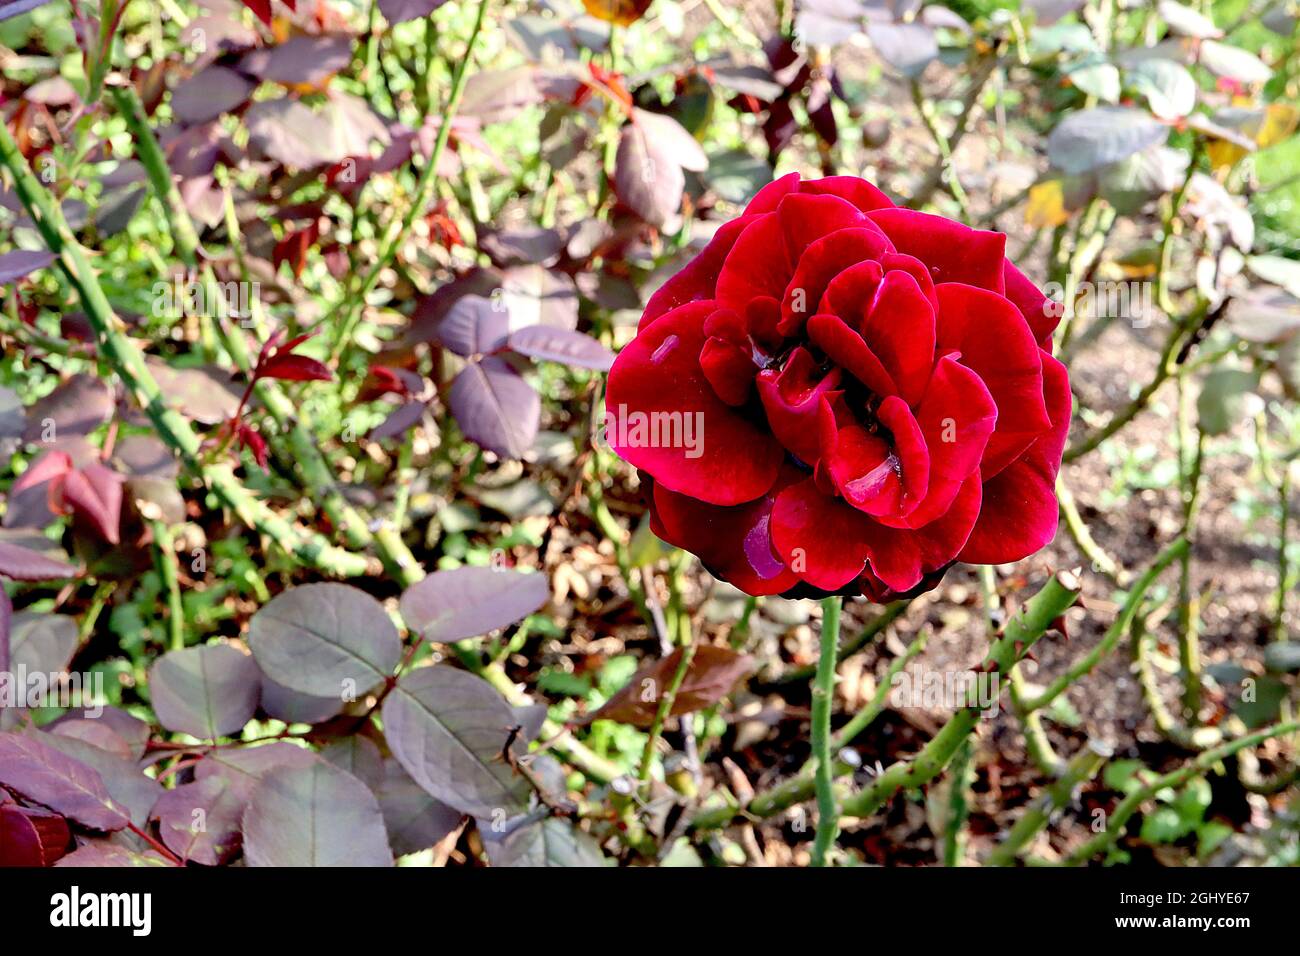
x=994 y=340
x=849 y=292
x=900 y=329
x=851 y=188
x=821 y=539
x=698 y=278
x=806 y=218
x=863 y=468
x=1020 y=511
x=712 y=452
x=770 y=196
x=902 y=558
x=953 y=251
x=956 y=416
x=729 y=368
x=918 y=270
x=910 y=450
x=758 y=265
x=792 y=398
x=1042 y=314
x=847 y=350
x=734 y=543
x=823 y=261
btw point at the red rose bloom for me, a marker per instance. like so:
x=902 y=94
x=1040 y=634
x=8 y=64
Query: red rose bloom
x=838 y=395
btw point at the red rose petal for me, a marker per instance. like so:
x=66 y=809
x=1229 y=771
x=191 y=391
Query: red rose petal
x=824 y=260
x=956 y=416
x=822 y=539
x=792 y=398
x=734 y=543
x=729 y=368
x=900 y=329
x=994 y=340
x=1039 y=311
x=1020 y=510
x=902 y=558
x=758 y=264
x=853 y=189
x=728 y=460
x=847 y=350
x=954 y=252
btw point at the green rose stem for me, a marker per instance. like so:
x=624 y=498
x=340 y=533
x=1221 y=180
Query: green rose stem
x=1019 y=635
x=823 y=701
x=801 y=786
x=960 y=776
x=294 y=424
x=165 y=550
x=351 y=308
x=1102 y=562
x=668 y=698
x=876 y=627
x=1115 y=633
x=944 y=170
x=128 y=362
x=1118 y=821
x=1036 y=741
x=1191 y=449
x=1038 y=614
x=1081 y=768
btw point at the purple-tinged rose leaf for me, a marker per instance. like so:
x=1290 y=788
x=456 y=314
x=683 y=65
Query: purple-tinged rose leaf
x=297 y=135
x=359 y=756
x=552 y=841
x=415 y=820
x=325 y=640
x=21 y=262
x=201 y=821
x=466 y=602
x=77 y=407
x=93 y=732
x=522 y=245
x=20 y=564
x=448 y=728
x=314 y=816
x=561 y=345
x=133 y=731
x=209 y=93
x=400 y=421
x=111 y=855
x=243 y=767
x=202 y=393
x=95 y=492
x=1090 y=139
x=646 y=179
x=399 y=11
x=295 y=708
x=497 y=95
x=6 y=625
x=15 y=8
x=495 y=407
x=42 y=642
x=907 y=47
x=304 y=59
x=126 y=783
x=46 y=776
x=206 y=692
x=474 y=325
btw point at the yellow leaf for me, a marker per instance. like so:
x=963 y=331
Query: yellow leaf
x=621 y=12
x=1046 y=206
x=1223 y=154
x=1280 y=121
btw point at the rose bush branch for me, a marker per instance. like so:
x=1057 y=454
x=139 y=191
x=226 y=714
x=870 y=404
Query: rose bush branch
x=823 y=701
x=348 y=313
x=128 y=362
x=1123 y=812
